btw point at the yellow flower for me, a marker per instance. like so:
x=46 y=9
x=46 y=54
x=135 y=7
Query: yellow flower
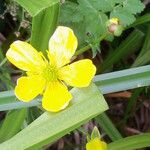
x=96 y=144
x=50 y=76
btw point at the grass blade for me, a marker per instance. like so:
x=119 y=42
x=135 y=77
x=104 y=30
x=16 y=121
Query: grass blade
x=12 y=124
x=141 y=20
x=131 y=143
x=51 y=126
x=129 y=45
x=143 y=57
x=107 y=83
x=108 y=127
x=45 y=15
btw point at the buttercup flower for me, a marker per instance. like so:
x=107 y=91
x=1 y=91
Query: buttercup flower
x=50 y=76
x=96 y=144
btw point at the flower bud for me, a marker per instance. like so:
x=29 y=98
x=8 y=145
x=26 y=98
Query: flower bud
x=114 y=27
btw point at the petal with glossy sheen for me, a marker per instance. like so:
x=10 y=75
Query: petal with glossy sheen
x=56 y=97
x=24 y=56
x=96 y=144
x=78 y=74
x=62 y=46
x=28 y=87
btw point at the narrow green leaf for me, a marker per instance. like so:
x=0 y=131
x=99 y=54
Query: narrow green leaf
x=131 y=143
x=108 y=127
x=45 y=16
x=34 y=7
x=130 y=44
x=12 y=124
x=143 y=58
x=51 y=126
x=123 y=80
x=141 y=20
x=107 y=83
x=43 y=26
x=132 y=102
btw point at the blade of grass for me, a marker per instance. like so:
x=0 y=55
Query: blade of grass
x=51 y=126
x=131 y=103
x=45 y=15
x=143 y=58
x=108 y=127
x=12 y=124
x=34 y=7
x=123 y=80
x=141 y=20
x=43 y=26
x=107 y=83
x=129 y=45
x=131 y=143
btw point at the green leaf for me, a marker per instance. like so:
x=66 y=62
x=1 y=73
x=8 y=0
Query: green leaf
x=44 y=21
x=68 y=13
x=129 y=45
x=123 y=80
x=133 y=6
x=100 y=5
x=95 y=133
x=141 y=20
x=43 y=26
x=51 y=126
x=88 y=19
x=143 y=57
x=34 y=7
x=99 y=18
x=108 y=127
x=12 y=124
x=87 y=27
x=125 y=17
x=107 y=83
x=132 y=102
x=131 y=143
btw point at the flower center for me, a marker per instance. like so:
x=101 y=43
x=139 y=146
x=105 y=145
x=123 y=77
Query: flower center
x=50 y=73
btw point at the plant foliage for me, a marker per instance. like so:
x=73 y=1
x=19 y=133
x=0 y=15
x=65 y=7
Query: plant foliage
x=88 y=18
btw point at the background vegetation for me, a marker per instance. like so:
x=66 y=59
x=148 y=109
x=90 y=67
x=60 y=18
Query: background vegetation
x=122 y=67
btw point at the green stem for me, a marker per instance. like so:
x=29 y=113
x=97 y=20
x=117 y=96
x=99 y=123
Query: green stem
x=82 y=50
x=87 y=47
x=131 y=143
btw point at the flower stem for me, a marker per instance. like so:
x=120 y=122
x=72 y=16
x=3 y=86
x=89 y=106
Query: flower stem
x=87 y=47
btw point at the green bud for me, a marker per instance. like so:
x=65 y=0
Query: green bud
x=114 y=27
x=95 y=133
x=118 y=30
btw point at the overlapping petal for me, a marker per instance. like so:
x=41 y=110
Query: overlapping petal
x=56 y=97
x=28 y=87
x=24 y=56
x=62 y=46
x=96 y=144
x=78 y=74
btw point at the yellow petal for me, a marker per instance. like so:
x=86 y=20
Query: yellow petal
x=56 y=97
x=78 y=74
x=96 y=144
x=62 y=46
x=24 y=56
x=28 y=87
